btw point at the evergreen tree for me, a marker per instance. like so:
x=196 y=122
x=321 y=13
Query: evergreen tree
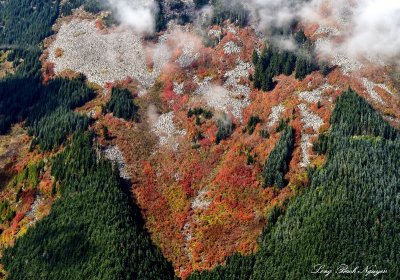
x=274 y=61
x=92 y=232
x=121 y=104
x=277 y=163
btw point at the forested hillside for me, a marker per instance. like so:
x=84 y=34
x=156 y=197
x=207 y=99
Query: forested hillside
x=121 y=104
x=277 y=163
x=19 y=91
x=213 y=140
x=92 y=231
x=26 y=23
x=349 y=214
x=273 y=61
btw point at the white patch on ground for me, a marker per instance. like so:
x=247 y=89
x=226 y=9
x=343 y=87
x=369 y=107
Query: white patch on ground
x=324 y=29
x=188 y=55
x=221 y=99
x=233 y=78
x=232 y=96
x=178 y=88
x=346 y=64
x=91 y=113
x=231 y=47
x=231 y=29
x=203 y=86
x=113 y=154
x=310 y=119
x=313 y=96
x=310 y=96
x=187 y=231
x=305 y=144
x=165 y=129
x=177 y=176
x=276 y=112
x=32 y=213
x=105 y=57
x=369 y=86
x=201 y=201
x=187 y=234
x=215 y=33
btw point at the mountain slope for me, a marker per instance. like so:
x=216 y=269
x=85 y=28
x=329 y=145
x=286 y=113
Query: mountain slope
x=219 y=156
x=92 y=230
x=349 y=214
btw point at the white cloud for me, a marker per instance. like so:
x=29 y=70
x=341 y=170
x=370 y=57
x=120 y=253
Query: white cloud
x=137 y=14
x=376 y=31
x=367 y=28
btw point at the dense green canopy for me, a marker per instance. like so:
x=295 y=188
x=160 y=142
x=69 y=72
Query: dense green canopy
x=93 y=230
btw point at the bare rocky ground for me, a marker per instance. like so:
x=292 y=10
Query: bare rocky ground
x=231 y=96
x=314 y=96
x=178 y=88
x=310 y=120
x=105 y=57
x=32 y=213
x=276 y=112
x=325 y=29
x=165 y=129
x=347 y=64
x=305 y=145
x=188 y=55
x=201 y=202
x=370 y=89
x=216 y=33
x=231 y=47
x=114 y=154
x=203 y=85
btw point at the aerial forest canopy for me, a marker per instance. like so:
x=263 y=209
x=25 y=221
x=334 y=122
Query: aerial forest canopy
x=104 y=240
x=277 y=163
x=273 y=61
x=121 y=104
x=24 y=25
x=232 y=10
x=211 y=150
